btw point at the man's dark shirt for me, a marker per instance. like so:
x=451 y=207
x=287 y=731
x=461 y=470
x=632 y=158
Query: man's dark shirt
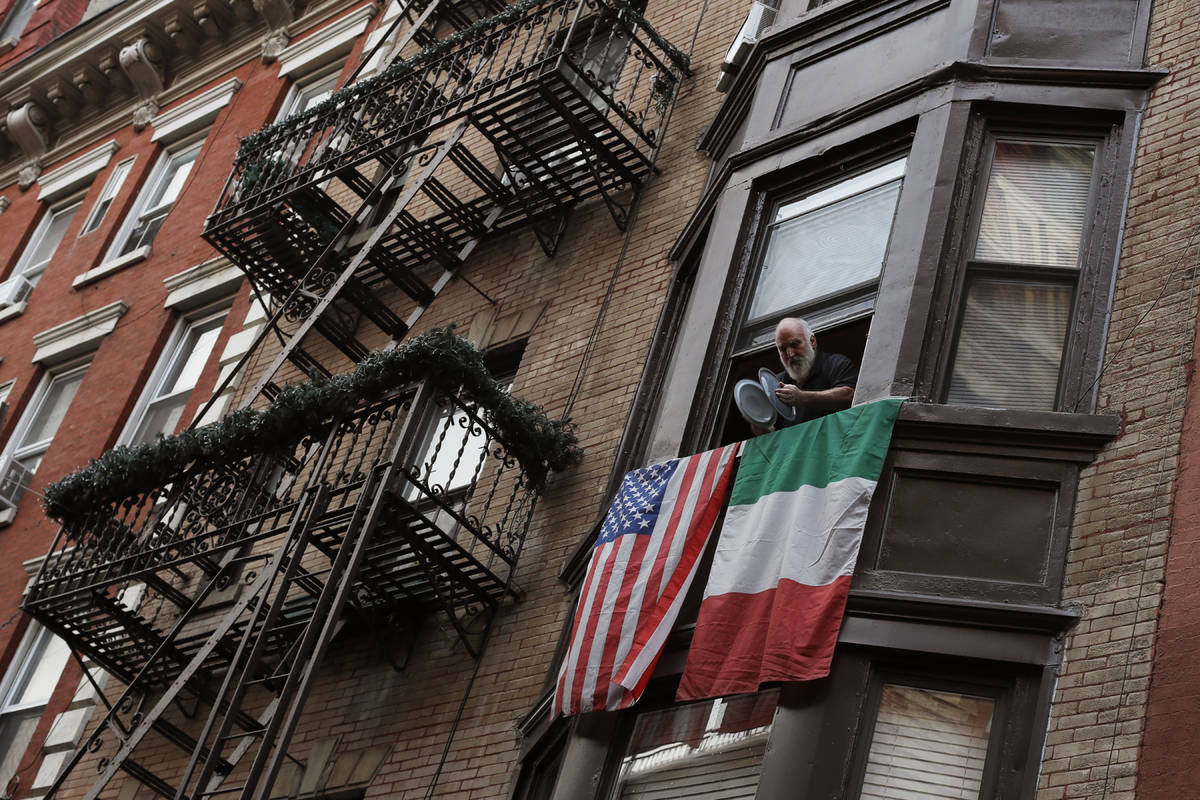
x=829 y=371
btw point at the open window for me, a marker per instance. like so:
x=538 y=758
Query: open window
x=819 y=258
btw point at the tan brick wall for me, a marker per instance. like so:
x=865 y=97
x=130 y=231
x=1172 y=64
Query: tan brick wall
x=358 y=695
x=1123 y=514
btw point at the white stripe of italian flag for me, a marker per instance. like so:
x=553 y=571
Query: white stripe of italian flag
x=781 y=574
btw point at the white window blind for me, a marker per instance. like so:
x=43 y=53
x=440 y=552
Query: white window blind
x=1016 y=312
x=927 y=745
x=1037 y=197
x=699 y=751
x=827 y=242
x=1010 y=344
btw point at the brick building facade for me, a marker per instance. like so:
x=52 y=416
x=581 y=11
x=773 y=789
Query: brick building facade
x=992 y=222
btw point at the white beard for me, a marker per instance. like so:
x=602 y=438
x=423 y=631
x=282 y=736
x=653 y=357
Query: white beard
x=799 y=371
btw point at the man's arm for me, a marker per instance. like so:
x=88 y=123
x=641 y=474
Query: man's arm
x=835 y=399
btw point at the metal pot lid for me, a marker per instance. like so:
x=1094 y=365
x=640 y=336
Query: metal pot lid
x=753 y=404
x=770 y=382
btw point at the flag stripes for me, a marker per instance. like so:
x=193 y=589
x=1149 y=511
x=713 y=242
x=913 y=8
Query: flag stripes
x=643 y=562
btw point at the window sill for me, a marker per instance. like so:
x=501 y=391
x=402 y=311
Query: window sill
x=114 y=265
x=1085 y=434
x=7 y=516
x=12 y=311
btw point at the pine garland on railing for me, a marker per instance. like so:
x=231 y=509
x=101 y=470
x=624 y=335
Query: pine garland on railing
x=302 y=409
x=351 y=94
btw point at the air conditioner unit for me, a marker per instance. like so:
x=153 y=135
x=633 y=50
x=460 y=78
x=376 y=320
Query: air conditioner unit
x=14 y=480
x=14 y=290
x=761 y=17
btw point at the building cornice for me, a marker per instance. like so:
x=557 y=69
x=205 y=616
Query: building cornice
x=127 y=64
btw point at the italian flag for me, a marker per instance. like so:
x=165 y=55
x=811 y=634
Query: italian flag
x=781 y=574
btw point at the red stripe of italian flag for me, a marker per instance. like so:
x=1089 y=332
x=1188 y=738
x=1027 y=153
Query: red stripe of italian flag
x=775 y=597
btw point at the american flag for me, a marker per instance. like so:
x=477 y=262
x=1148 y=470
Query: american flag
x=644 y=560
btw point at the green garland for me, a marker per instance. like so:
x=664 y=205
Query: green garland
x=355 y=93
x=539 y=443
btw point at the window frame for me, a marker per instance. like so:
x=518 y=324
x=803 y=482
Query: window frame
x=168 y=359
x=711 y=403
x=36 y=640
x=304 y=85
x=1083 y=278
x=1087 y=320
x=154 y=182
x=108 y=196
x=15 y=449
x=21 y=11
x=22 y=267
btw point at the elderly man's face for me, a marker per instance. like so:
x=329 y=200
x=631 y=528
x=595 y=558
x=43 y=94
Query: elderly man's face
x=796 y=352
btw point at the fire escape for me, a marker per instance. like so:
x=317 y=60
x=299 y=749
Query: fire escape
x=214 y=595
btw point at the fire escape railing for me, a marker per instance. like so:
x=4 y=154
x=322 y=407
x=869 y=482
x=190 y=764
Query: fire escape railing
x=457 y=482
x=623 y=68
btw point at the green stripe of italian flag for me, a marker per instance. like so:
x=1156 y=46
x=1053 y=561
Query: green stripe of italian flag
x=777 y=592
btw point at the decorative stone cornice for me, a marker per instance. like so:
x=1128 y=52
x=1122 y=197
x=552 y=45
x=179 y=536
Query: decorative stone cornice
x=278 y=14
x=82 y=91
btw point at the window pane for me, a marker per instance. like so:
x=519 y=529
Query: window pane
x=700 y=750
x=48 y=239
x=107 y=196
x=51 y=410
x=1036 y=200
x=46 y=665
x=179 y=369
x=172 y=182
x=1010 y=346
x=825 y=250
x=927 y=744
x=199 y=344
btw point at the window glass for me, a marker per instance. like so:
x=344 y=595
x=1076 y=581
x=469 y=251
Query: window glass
x=27 y=687
x=1020 y=285
x=46 y=415
x=171 y=386
x=927 y=744
x=17 y=19
x=1011 y=344
x=826 y=243
x=688 y=750
x=107 y=195
x=37 y=254
x=1037 y=197
x=157 y=198
x=308 y=94
x=45 y=241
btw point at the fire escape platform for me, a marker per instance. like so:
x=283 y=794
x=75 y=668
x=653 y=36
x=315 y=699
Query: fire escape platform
x=391 y=183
